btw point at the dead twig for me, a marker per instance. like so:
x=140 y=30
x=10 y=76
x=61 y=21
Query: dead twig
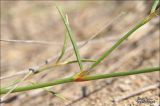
x=139 y=91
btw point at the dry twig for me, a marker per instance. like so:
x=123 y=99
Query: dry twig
x=139 y=91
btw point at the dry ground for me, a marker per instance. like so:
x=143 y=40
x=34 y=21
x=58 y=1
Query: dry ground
x=40 y=21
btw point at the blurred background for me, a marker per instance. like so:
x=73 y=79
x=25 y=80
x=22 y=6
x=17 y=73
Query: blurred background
x=40 y=21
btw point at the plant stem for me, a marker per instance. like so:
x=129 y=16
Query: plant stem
x=73 y=41
x=63 y=49
x=140 y=24
x=154 y=6
x=49 y=66
x=85 y=78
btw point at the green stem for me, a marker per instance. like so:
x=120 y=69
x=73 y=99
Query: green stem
x=83 y=60
x=49 y=66
x=74 y=44
x=85 y=78
x=140 y=24
x=63 y=49
x=154 y=6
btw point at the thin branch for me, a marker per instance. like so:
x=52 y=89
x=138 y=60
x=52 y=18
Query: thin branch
x=85 y=78
x=104 y=27
x=139 y=91
x=15 y=74
x=121 y=40
x=109 y=39
x=63 y=48
x=30 y=42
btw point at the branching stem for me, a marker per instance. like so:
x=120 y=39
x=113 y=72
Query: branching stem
x=85 y=78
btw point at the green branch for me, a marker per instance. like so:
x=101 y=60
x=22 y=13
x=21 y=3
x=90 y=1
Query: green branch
x=85 y=78
x=73 y=41
x=140 y=24
x=154 y=6
x=49 y=66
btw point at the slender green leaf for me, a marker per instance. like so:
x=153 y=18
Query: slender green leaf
x=154 y=6
x=66 y=23
x=63 y=49
x=141 y=23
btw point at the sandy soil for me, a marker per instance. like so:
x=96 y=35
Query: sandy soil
x=40 y=21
